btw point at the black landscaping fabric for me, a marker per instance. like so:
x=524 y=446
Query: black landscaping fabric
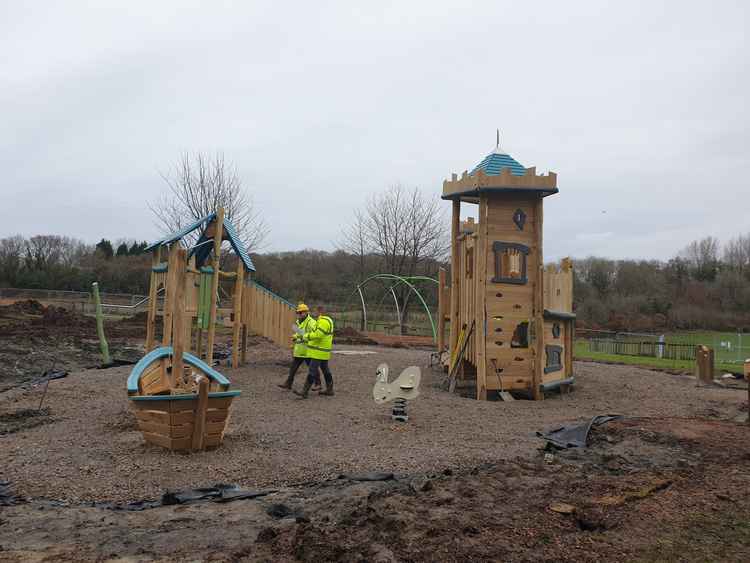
x=574 y=435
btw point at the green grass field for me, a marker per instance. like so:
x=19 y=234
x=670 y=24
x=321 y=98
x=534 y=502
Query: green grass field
x=727 y=359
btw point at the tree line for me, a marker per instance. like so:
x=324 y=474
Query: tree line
x=705 y=286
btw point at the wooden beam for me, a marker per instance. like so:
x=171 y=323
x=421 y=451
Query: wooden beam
x=169 y=291
x=480 y=304
x=199 y=421
x=455 y=274
x=178 y=316
x=152 y=297
x=237 y=325
x=219 y=230
x=441 y=311
x=538 y=308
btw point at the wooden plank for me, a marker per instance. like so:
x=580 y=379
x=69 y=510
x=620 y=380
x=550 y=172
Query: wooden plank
x=218 y=233
x=148 y=426
x=217 y=415
x=213 y=440
x=441 y=310
x=178 y=316
x=156 y=387
x=538 y=264
x=237 y=323
x=482 y=249
x=182 y=417
x=159 y=417
x=199 y=424
x=160 y=405
x=508 y=383
x=152 y=296
x=169 y=294
x=455 y=274
x=554 y=376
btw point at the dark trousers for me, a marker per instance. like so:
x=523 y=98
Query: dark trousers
x=316 y=366
x=296 y=363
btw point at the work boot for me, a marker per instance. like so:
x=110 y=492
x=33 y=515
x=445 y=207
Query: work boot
x=328 y=392
x=287 y=384
x=316 y=386
x=305 y=391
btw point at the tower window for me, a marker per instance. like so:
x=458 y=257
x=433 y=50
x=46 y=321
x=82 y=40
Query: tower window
x=554 y=358
x=520 y=336
x=510 y=262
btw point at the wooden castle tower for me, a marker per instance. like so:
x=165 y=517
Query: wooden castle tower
x=511 y=321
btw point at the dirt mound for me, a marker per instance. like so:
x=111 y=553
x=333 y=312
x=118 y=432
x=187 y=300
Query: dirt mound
x=27 y=307
x=349 y=335
x=59 y=317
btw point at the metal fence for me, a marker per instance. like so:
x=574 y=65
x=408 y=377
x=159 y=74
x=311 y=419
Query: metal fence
x=654 y=349
x=729 y=348
x=112 y=303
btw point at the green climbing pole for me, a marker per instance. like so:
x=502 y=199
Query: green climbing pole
x=100 y=325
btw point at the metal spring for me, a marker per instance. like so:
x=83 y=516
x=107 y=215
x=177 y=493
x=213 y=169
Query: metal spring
x=399 y=410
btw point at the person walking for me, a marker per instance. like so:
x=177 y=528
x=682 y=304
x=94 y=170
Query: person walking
x=305 y=324
x=319 y=345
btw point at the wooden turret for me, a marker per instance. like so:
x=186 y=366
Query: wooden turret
x=518 y=343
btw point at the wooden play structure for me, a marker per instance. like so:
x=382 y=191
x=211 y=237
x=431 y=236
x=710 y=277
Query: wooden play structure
x=181 y=402
x=511 y=319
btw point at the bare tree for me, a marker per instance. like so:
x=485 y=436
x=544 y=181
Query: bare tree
x=405 y=230
x=703 y=257
x=402 y=227
x=737 y=253
x=11 y=258
x=197 y=186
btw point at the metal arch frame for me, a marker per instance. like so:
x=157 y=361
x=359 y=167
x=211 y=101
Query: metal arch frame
x=399 y=280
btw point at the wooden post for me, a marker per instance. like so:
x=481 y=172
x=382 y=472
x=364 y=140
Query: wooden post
x=441 y=311
x=152 y=297
x=178 y=315
x=455 y=274
x=218 y=234
x=239 y=282
x=199 y=417
x=539 y=352
x=704 y=359
x=170 y=288
x=480 y=298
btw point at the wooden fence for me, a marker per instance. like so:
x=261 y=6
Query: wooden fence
x=268 y=314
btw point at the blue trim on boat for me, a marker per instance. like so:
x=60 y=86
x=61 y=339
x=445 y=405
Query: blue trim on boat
x=186 y=397
x=164 y=351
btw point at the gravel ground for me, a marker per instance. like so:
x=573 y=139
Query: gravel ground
x=90 y=449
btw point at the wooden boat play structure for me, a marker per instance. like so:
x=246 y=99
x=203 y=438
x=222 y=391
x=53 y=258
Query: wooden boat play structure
x=192 y=416
x=180 y=401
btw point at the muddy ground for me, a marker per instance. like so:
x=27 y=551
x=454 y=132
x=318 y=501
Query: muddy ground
x=670 y=482
x=37 y=338
x=655 y=489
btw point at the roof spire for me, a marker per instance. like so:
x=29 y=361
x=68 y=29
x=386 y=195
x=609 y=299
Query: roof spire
x=497 y=146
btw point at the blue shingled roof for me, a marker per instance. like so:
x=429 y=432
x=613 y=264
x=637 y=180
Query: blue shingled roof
x=494 y=162
x=202 y=251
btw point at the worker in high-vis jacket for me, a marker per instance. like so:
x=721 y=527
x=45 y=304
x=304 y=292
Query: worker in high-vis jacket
x=304 y=324
x=319 y=345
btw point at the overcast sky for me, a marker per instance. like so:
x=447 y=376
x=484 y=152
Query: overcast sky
x=640 y=107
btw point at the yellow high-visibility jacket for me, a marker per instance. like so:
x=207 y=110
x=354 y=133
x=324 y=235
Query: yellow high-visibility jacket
x=320 y=339
x=300 y=346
